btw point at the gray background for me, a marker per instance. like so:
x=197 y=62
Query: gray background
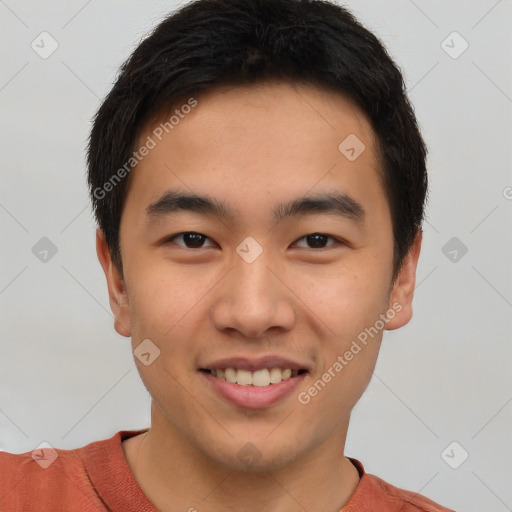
x=67 y=378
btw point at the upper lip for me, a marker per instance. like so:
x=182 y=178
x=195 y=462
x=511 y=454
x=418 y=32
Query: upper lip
x=253 y=364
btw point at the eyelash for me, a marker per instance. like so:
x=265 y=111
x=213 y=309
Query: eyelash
x=337 y=240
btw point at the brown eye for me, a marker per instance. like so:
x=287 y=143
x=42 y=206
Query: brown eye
x=191 y=240
x=318 y=240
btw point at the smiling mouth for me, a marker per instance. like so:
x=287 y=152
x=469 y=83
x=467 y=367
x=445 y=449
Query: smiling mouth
x=257 y=378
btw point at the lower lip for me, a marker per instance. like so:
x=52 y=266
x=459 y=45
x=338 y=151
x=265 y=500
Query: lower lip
x=252 y=396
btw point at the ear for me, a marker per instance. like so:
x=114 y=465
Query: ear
x=116 y=288
x=400 y=299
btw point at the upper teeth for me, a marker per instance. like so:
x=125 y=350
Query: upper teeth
x=257 y=378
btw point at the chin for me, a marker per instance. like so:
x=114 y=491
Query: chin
x=256 y=456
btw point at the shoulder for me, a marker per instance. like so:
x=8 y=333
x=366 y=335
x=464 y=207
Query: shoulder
x=41 y=478
x=408 y=500
x=385 y=497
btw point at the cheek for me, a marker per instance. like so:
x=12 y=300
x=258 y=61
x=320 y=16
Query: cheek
x=156 y=297
x=346 y=299
x=348 y=350
x=157 y=311
x=169 y=305
x=349 y=304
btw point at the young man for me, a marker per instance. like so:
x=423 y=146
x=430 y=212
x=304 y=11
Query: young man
x=259 y=181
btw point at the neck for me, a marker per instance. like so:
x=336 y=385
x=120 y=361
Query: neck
x=175 y=476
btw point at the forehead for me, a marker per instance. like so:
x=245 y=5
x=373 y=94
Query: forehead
x=258 y=143
x=256 y=107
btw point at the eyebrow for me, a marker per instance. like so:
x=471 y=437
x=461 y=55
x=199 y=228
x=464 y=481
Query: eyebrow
x=334 y=203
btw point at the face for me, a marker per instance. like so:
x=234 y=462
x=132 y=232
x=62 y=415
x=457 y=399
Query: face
x=284 y=264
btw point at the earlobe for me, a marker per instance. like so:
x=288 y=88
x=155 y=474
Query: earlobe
x=403 y=289
x=118 y=297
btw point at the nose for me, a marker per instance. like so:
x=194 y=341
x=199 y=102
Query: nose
x=253 y=299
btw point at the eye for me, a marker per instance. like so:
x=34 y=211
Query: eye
x=318 y=240
x=191 y=239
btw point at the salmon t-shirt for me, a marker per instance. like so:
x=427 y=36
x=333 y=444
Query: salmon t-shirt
x=96 y=478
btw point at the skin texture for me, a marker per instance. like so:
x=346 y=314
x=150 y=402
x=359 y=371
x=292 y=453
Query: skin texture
x=254 y=147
